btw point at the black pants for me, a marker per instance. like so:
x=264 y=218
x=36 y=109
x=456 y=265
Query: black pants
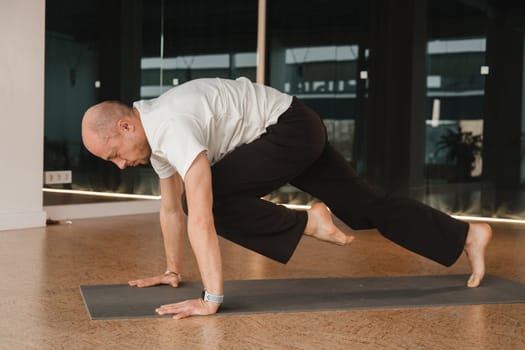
x=296 y=151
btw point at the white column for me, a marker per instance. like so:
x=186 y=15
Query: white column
x=22 y=44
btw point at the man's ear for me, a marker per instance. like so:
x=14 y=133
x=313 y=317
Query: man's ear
x=125 y=125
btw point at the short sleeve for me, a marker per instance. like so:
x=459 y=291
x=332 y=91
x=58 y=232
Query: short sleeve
x=162 y=167
x=181 y=140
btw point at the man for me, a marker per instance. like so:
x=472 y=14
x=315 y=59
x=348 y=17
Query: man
x=219 y=145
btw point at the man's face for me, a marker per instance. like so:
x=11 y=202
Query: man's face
x=125 y=150
x=123 y=143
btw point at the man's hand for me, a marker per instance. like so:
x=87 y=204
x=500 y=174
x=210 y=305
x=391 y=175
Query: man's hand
x=188 y=308
x=171 y=279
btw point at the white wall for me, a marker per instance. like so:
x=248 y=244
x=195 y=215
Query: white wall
x=22 y=33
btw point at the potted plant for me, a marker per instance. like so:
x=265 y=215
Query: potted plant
x=461 y=148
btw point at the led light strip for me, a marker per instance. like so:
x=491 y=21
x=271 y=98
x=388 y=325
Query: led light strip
x=485 y=219
x=459 y=217
x=297 y=206
x=102 y=194
x=291 y=206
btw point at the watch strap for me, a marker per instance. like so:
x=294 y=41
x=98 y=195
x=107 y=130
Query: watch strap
x=212 y=297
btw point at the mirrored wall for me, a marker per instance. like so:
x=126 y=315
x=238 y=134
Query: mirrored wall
x=423 y=97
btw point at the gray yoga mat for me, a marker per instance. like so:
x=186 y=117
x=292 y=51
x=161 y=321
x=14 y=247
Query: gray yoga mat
x=300 y=295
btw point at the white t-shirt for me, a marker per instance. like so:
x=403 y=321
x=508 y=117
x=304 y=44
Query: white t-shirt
x=213 y=115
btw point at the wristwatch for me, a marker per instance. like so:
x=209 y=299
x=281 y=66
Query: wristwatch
x=212 y=297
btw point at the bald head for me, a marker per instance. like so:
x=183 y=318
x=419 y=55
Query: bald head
x=101 y=119
x=113 y=131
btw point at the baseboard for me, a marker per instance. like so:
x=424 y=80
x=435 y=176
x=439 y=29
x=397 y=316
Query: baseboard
x=22 y=219
x=93 y=210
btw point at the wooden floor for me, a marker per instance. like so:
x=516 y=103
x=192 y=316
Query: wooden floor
x=41 y=307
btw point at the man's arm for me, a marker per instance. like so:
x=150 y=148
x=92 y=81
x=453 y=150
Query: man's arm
x=172 y=221
x=173 y=229
x=203 y=239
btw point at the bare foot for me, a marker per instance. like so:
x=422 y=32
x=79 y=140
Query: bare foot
x=321 y=226
x=478 y=238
